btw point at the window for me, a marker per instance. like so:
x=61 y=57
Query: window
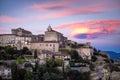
x=53 y=45
x=50 y=44
x=46 y=44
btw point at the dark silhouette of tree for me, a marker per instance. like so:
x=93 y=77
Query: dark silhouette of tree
x=29 y=76
x=21 y=74
x=24 y=50
x=74 y=54
x=14 y=71
x=35 y=54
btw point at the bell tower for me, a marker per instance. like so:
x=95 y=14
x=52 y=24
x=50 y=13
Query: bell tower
x=49 y=28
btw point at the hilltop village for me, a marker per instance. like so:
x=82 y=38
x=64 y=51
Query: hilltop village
x=51 y=56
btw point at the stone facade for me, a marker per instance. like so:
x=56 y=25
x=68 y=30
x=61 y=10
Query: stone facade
x=22 y=38
x=21 y=42
x=45 y=45
x=21 y=32
x=86 y=51
x=45 y=54
x=51 y=41
x=37 y=38
x=62 y=56
x=15 y=41
x=19 y=38
x=7 y=39
x=52 y=35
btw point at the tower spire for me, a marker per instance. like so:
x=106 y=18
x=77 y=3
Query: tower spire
x=49 y=28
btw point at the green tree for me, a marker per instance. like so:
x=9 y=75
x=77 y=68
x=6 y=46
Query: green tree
x=50 y=63
x=59 y=61
x=46 y=76
x=64 y=50
x=29 y=76
x=14 y=71
x=20 y=60
x=9 y=50
x=94 y=58
x=85 y=76
x=107 y=60
x=92 y=67
x=54 y=76
x=24 y=50
x=74 y=54
x=35 y=54
x=114 y=68
x=28 y=53
x=3 y=55
x=21 y=74
x=74 y=75
x=104 y=55
x=1 y=48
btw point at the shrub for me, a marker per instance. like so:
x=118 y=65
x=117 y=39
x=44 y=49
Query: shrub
x=107 y=60
x=63 y=50
x=94 y=58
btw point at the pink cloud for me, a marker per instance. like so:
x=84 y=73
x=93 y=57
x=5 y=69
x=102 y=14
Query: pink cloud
x=46 y=6
x=3 y=31
x=60 y=4
x=92 y=29
x=7 y=19
x=92 y=8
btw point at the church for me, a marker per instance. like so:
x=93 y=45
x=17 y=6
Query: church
x=51 y=40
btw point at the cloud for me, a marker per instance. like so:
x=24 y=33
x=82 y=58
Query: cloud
x=46 y=6
x=7 y=19
x=76 y=8
x=53 y=5
x=92 y=29
x=68 y=12
x=3 y=31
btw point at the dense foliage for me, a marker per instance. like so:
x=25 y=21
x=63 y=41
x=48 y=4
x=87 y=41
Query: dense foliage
x=11 y=53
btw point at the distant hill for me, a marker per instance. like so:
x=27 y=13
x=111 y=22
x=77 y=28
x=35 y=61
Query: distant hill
x=113 y=55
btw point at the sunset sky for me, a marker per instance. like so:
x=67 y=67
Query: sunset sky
x=95 y=21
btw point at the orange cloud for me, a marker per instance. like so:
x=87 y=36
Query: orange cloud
x=92 y=29
x=7 y=19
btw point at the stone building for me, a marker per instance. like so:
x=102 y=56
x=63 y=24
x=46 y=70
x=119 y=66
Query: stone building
x=22 y=41
x=22 y=38
x=45 y=54
x=7 y=39
x=52 y=35
x=52 y=46
x=62 y=56
x=86 y=51
x=21 y=32
x=37 y=38
x=19 y=38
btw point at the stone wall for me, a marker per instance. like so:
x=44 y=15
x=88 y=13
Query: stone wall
x=45 y=45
